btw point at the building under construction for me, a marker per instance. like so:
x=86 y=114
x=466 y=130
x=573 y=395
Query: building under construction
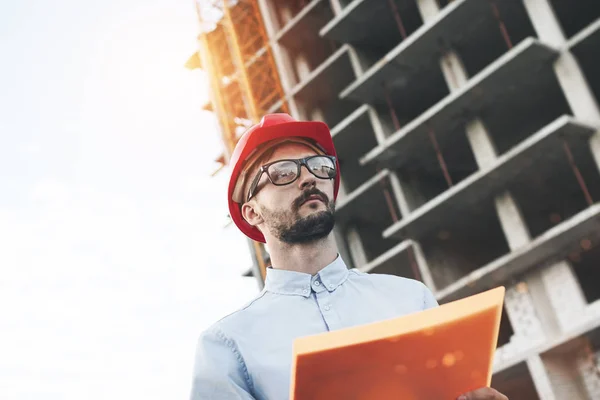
x=468 y=133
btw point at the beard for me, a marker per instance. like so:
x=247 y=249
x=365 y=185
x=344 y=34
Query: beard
x=302 y=230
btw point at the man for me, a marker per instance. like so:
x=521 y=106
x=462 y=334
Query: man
x=284 y=181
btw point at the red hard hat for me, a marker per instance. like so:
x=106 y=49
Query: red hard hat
x=270 y=127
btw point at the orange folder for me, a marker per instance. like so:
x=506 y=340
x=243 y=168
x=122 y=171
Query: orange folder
x=435 y=354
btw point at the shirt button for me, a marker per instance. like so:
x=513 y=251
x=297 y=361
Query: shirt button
x=317 y=283
x=330 y=287
x=305 y=291
x=327 y=308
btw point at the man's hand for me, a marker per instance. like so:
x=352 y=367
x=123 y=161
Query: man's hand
x=484 y=393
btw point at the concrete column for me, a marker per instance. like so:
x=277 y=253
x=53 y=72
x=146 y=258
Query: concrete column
x=376 y=123
x=522 y=315
x=336 y=6
x=544 y=22
x=564 y=373
x=358 y=66
x=511 y=220
x=411 y=196
x=567 y=301
x=480 y=139
x=542 y=296
x=540 y=378
x=285 y=12
x=399 y=194
x=356 y=248
x=343 y=247
x=454 y=71
x=302 y=66
x=588 y=367
x=317 y=114
x=342 y=191
x=423 y=266
x=570 y=76
x=428 y=9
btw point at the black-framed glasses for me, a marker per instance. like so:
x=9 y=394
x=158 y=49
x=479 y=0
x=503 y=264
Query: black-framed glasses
x=284 y=172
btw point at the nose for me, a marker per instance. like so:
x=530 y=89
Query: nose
x=306 y=179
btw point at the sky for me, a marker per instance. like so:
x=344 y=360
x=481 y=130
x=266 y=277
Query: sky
x=114 y=250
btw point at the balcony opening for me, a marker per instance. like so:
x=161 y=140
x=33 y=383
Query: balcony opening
x=465 y=244
x=443 y=160
x=404 y=99
x=394 y=24
x=516 y=383
x=548 y=190
x=586 y=262
x=350 y=145
x=524 y=108
x=573 y=19
x=368 y=227
x=506 y=25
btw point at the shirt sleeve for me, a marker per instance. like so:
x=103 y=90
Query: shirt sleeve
x=429 y=300
x=219 y=369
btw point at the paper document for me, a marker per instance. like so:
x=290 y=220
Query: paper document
x=438 y=354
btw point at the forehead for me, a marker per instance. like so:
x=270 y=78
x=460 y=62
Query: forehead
x=291 y=150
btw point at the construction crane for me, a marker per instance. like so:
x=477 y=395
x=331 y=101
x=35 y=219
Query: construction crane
x=234 y=52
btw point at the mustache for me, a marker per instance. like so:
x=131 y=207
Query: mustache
x=306 y=194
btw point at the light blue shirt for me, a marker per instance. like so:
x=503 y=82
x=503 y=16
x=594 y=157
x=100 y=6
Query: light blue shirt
x=248 y=354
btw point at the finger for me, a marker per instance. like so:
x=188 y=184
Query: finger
x=484 y=393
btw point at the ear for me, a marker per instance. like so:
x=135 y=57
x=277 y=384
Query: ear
x=250 y=214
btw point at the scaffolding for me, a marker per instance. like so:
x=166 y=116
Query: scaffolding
x=234 y=51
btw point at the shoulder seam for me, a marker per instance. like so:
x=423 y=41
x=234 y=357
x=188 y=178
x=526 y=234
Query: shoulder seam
x=244 y=307
x=237 y=355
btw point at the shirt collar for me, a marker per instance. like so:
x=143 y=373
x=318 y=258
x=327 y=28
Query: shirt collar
x=292 y=282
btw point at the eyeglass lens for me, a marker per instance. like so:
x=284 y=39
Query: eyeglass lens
x=285 y=171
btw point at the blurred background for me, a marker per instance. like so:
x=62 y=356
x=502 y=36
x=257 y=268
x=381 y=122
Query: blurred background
x=468 y=133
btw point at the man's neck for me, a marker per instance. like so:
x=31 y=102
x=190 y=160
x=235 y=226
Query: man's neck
x=309 y=258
